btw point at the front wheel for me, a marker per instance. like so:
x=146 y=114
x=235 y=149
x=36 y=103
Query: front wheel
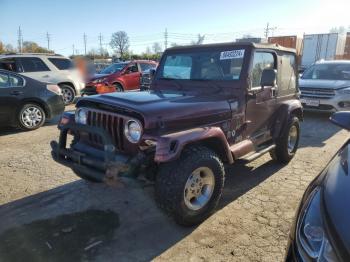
x=287 y=144
x=31 y=116
x=190 y=188
x=118 y=87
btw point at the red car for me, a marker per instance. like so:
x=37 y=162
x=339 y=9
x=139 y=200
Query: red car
x=123 y=76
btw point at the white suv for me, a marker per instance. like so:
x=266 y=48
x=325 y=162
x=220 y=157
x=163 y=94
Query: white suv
x=47 y=68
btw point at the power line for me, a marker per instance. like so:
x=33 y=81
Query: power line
x=48 y=40
x=85 y=43
x=166 y=38
x=20 y=39
x=268 y=29
x=101 y=48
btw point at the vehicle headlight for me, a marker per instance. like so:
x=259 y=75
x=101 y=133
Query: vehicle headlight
x=311 y=236
x=100 y=80
x=133 y=131
x=344 y=91
x=81 y=116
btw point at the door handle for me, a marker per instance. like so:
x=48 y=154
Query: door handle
x=46 y=76
x=16 y=93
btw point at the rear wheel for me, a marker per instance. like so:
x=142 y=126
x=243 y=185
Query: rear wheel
x=190 y=188
x=287 y=144
x=68 y=94
x=31 y=116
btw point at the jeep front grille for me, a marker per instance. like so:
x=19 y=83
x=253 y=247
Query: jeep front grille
x=111 y=122
x=319 y=93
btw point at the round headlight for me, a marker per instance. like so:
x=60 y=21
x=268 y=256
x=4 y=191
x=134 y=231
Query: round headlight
x=81 y=116
x=133 y=131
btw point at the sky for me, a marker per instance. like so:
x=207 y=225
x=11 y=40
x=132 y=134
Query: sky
x=145 y=21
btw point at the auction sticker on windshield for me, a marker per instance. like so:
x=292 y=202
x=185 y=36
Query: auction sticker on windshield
x=233 y=54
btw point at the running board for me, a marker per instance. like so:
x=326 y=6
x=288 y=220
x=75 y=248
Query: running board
x=253 y=156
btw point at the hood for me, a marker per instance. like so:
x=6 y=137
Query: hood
x=329 y=84
x=337 y=195
x=167 y=110
x=97 y=76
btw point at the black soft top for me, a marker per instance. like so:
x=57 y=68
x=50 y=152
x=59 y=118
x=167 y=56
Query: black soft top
x=234 y=44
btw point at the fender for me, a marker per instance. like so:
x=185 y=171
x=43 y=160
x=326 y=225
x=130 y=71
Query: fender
x=169 y=146
x=282 y=115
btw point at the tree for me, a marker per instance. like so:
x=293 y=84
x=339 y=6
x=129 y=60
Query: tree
x=9 y=48
x=174 y=44
x=199 y=41
x=339 y=30
x=32 y=47
x=2 y=48
x=120 y=43
x=156 y=48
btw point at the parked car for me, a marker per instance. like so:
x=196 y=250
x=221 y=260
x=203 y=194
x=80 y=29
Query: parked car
x=27 y=103
x=325 y=86
x=321 y=229
x=146 y=79
x=125 y=76
x=208 y=105
x=55 y=69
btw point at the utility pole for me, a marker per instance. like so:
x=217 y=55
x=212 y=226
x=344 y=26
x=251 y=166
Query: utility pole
x=268 y=29
x=101 y=48
x=85 y=43
x=48 y=40
x=166 y=38
x=73 y=49
x=20 y=39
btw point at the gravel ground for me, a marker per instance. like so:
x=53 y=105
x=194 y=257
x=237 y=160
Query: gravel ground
x=46 y=210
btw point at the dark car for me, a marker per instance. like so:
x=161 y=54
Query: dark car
x=321 y=230
x=27 y=103
x=124 y=76
x=207 y=105
x=146 y=79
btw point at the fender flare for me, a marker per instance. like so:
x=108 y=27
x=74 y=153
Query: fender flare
x=170 y=146
x=282 y=115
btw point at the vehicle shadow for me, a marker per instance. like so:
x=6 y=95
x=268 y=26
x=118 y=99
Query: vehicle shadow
x=316 y=129
x=94 y=222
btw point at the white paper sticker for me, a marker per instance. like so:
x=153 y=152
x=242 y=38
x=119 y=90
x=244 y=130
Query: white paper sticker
x=234 y=54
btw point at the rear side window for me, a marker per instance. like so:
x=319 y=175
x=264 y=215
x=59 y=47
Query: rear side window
x=61 y=63
x=287 y=79
x=145 y=66
x=15 y=81
x=33 y=64
x=261 y=61
x=4 y=80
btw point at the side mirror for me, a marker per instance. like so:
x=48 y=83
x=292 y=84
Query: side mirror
x=152 y=72
x=341 y=119
x=268 y=77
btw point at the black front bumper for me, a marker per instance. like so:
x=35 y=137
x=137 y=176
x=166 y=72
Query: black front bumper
x=91 y=163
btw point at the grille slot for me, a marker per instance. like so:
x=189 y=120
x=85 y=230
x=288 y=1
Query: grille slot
x=111 y=122
x=319 y=93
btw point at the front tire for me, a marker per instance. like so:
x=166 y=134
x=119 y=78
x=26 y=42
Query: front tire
x=190 y=188
x=118 y=87
x=68 y=94
x=31 y=117
x=287 y=144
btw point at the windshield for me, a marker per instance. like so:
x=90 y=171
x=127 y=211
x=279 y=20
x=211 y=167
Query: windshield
x=328 y=72
x=203 y=65
x=113 y=68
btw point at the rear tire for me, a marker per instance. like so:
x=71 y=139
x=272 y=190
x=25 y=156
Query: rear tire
x=31 y=117
x=190 y=188
x=287 y=144
x=68 y=94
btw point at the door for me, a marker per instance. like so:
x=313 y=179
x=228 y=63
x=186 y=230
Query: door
x=11 y=94
x=261 y=102
x=132 y=77
x=35 y=68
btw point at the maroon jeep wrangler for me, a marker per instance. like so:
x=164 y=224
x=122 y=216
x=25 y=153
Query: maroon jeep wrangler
x=208 y=105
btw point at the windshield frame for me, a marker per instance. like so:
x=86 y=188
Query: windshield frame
x=159 y=73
